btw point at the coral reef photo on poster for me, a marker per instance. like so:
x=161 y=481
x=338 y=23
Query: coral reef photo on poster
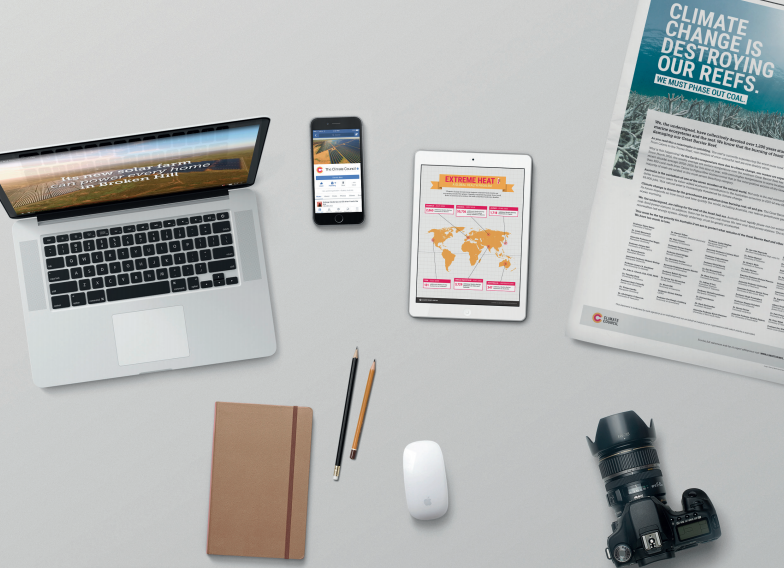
x=714 y=61
x=147 y=168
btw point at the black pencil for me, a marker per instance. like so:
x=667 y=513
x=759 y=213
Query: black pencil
x=346 y=408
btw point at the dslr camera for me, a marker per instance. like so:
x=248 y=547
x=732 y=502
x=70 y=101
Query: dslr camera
x=646 y=530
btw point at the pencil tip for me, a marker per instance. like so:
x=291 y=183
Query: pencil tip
x=356 y=352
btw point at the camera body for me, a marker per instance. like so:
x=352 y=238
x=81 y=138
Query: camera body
x=648 y=530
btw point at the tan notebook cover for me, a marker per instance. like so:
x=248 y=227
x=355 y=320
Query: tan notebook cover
x=260 y=470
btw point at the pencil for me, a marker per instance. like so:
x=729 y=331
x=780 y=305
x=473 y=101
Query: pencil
x=355 y=445
x=351 y=374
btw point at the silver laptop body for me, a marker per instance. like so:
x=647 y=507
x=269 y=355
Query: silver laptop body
x=190 y=289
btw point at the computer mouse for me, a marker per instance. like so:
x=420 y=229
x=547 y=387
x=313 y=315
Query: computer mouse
x=424 y=475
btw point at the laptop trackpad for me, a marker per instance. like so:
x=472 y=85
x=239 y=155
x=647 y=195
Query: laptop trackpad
x=150 y=335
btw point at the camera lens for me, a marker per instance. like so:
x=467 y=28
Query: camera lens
x=628 y=462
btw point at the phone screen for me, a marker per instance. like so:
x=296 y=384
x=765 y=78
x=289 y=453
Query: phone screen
x=337 y=171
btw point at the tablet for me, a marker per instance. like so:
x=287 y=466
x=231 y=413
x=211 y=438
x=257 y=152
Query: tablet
x=469 y=241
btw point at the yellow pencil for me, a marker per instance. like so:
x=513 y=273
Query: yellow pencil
x=355 y=445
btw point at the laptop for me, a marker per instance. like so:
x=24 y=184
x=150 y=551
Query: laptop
x=140 y=254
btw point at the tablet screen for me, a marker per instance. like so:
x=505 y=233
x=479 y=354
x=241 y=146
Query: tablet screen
x=470 y=235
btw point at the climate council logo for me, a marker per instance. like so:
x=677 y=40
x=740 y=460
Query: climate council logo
x=597 y=317
x=319 y=169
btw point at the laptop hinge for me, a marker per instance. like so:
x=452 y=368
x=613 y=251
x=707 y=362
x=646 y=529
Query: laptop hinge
x=135 y=204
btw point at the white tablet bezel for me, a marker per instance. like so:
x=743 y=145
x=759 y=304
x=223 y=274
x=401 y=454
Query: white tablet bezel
x=465 y=311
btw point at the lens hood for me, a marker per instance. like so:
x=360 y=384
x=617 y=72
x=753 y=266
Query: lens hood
x=620 y=431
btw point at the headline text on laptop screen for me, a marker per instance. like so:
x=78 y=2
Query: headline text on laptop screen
x=147 y=168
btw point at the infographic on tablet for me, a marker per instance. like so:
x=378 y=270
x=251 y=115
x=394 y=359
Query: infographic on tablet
x=470 y=235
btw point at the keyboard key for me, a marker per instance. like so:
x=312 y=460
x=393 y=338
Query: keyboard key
x=175 y=246
x=78 y=299
x=162 y=274
x=97 y=257
x=84 y=285
x=58 y=275
x=89 y=271
x=187 y=244
x=209 y=218
x=148 y=250
x=183 y=221
x=84 y=258
x=102 y=244
x=143 y=290
x=178 y=285
x=63 y=249
x=115 y=267
x=97 y=282
x=213 y=241
x=114 y=242
x=149 y=275
x=102 y=269
x=206 y=284
x=97 y=297
x=75 y=236
x=136 y=252
x=222 y=265
x=166 y=235
x=179 y=233
x=188 y=270
x=232 y=280
x=156 y=225
x=169 y=223
x=53 y=263
x=136 y=277
x=196 y=219
x=192 y=231
x=154 y=262
x=218 y=279
x=127 y=240
x=221 y=227
x=116 y=230
x=161 y=248
x=89 y=234
x=49 y=240
x=63 y=287
x=201 y=243
x=123 y=279
x=153 y=236
x=166 y=260
x=71 y=261
x=193 y=283
x=223 y=252
x=129 y=229
x=76 y=248
x=76 y=273
x=141 y=264
x=193 y=256
x=110 y=255
x=201 y=268
x=205 y=230
x=110 y=281
x=103 y=232
x=50 y=250
x=60 y=302
x=179 y=258
x=222 y=216
x=175 y=272
x=62 y=238
x=123 y=253
x=140 y=238
x=89 y=245
x=127 y=265
x=142 y=227
x=226 y=239
x=205 y=255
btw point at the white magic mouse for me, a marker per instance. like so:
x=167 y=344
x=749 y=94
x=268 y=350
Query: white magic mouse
x=424 y=475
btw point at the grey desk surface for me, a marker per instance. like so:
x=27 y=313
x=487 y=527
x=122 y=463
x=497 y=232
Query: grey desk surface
x=116 y=473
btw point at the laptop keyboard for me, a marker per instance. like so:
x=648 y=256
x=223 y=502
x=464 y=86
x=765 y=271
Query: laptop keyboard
x=123 y=262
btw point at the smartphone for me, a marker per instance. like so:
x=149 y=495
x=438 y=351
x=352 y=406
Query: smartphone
x=338 y=184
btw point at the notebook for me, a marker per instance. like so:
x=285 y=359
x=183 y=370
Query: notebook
x=260 y=470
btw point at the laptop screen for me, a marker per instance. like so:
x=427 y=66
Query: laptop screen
x=131 y=168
